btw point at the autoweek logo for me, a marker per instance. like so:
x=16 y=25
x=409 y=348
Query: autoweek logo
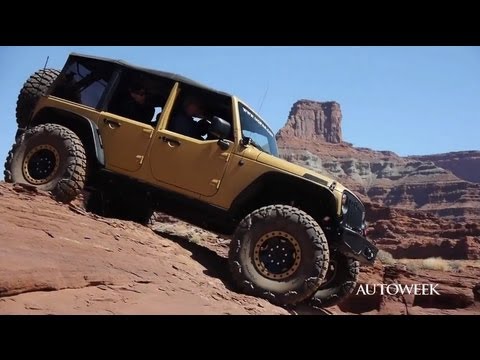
x=397 y=289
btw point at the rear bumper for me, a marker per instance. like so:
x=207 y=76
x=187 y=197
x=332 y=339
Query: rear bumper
x=355 y=245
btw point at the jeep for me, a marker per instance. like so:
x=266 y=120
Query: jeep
x=296 y=235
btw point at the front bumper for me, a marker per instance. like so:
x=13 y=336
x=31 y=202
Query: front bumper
x=352 y=244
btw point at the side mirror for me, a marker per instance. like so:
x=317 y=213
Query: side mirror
x=246 y=141
x=220 y=128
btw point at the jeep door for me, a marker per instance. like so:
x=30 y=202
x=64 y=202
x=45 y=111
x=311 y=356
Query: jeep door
x=125 y=141
x=181 y=159
x=127 y=125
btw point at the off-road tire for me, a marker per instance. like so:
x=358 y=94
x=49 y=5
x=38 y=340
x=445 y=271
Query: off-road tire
x=341 y=285
x=35 y=87
x=309 y=238
x=8 y=164
x=68 y=178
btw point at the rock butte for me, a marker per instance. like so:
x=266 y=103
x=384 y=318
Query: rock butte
x=421 y=205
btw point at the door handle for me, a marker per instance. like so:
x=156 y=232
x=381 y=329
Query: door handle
x=170 y=140
x=111 y=123
x=223 y=144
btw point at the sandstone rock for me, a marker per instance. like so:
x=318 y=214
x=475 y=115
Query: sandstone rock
x=314 y=120
x=57 y=260
x=476 y=292
x=413 y=234
x=393 y=182
x=464 y=164
x=471 y=247
x=454 y=296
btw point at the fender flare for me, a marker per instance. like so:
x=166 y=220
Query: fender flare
x=74 y=122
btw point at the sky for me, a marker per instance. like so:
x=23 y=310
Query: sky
x=409 y=100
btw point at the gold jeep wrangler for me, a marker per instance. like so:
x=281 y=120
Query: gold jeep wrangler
x=139 y=140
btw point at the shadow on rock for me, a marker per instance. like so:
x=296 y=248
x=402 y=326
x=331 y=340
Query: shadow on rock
x=216 y=266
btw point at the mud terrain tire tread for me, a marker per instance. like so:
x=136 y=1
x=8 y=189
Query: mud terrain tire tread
x=35 y=87
x=313 y=239
x=341 y=287
x=70 y=180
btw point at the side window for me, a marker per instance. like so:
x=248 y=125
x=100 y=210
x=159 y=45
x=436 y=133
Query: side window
x=193 y=111
x=140 y=97
x=83 y=82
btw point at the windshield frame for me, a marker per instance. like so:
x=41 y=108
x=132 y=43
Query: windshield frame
x=271 y=138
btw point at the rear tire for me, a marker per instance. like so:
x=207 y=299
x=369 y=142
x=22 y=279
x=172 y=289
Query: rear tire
x=279 y=253
x=35 y=87
x=340 y=284
x=51 y=158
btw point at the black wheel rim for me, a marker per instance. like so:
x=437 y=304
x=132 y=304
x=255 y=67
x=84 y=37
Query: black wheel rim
x=41 y=164
x=277 y=255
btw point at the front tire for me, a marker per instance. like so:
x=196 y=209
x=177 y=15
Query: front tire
x=340 y=281
x=51 y=158
x=280 y=253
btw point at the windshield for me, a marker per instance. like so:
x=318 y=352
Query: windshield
x=257 y=130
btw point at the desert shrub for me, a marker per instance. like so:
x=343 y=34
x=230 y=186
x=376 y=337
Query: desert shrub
x=385 y=257
x=435 y=264
x=412 y=266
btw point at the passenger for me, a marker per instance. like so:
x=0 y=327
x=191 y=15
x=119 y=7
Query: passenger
x=183 y=122
x=136 y=107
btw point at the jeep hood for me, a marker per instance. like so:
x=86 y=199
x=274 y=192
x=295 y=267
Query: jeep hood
x=298 y=170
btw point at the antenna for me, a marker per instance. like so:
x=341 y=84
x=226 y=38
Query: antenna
x=264 y=96
x=46 y=62
x=44 y=67
x=41 y=78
